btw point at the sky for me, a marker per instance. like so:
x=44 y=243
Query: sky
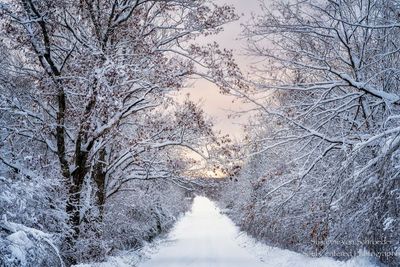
x=216 y=105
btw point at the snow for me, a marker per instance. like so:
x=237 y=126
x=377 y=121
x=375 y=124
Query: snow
x=204 y=237
x=127 y=258
x=28 y=244
x=20 y=243
x=388 y=223
x=276 y=257
x=121 y=261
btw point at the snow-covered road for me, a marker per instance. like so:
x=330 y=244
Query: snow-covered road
x=205 y=237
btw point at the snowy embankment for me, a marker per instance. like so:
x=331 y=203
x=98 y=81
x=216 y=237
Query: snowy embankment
x=276 y=257
x=206 y=237
x=25 y=246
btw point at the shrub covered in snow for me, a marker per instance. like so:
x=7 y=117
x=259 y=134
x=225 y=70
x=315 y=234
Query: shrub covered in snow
x=22 y=246
x=132 y=218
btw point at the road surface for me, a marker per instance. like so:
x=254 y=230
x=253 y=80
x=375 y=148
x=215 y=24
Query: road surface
x=203 y=237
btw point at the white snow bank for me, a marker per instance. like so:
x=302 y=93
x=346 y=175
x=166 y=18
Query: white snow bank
x=120 y=261
x=128 y=258
x=276 y=257
x=20 y=243
x=25 y=246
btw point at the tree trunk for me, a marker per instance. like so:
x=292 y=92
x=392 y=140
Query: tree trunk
x=73 y=207
x=99 y=177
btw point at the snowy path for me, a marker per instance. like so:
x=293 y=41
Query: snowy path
x=205 y=237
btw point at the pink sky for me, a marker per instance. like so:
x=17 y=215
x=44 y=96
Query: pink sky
x=214 y=103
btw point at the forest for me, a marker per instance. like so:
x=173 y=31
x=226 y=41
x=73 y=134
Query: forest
x=98 y=155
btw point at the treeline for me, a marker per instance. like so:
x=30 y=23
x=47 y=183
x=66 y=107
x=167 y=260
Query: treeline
x=93 y=145
x=321 y=163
